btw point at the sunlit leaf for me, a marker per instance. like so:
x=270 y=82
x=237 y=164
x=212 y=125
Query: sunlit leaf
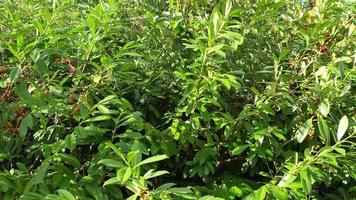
x=306 y=180
x=65 y=194
x=127 y=175
x=324 y=107
x=152 y=160
x=238 y=150
x=110 y=163
x=341 y=130
x=302 y=132
x=99 y=118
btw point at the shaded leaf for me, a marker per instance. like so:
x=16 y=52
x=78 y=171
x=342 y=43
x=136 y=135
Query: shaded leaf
x=14 y=74
x=324 y=130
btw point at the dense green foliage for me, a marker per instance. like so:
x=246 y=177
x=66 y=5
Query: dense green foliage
x=177 y=99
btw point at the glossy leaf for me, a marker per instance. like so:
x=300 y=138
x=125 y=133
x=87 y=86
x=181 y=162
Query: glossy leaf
x=324 y=107
x=65 y=194
x=341 y=130
x=111 y=181
x=152 y=160
x=302 y=132
x=238 y=150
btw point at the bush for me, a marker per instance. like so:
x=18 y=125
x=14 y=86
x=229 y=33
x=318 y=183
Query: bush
x=153 y=99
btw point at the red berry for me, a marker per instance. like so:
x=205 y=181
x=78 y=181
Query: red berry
x=323 y=48
x=21 y=112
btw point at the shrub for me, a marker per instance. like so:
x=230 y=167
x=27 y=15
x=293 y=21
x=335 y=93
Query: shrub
x=153 y=99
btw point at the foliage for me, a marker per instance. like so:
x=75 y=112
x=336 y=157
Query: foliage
x=177 y=99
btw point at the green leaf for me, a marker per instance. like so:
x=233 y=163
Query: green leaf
x=183 y=190
x=92 y=23
x=110 y=163
x=23 y=129
x=133 y=197
x=112 y=181
x=238 y=150
x=196 y=123
x=42 y=66
x=52 y=197
x=130 y=119
x=108 y=99
x=133 y=54
x=96 y=79
x=38 y=25
x=228 y=7
x=341 y=130
x=127 y=175
x=235 y=38
x=26 y=122
x=65 y=194
x=345 y=59
x=41 y=171
x=23 y=93
x=14 y=74
x=208 y=197
x=103 y=109
x=99 y=118
x=152 y=159
x=324 y=130
x=341 y=151
x=19 y=41
x=3 y=84
x=31 y=196
x=117 y=151
x=152 y=174
x=215 y=19
x=267 y=109
x=14 y=50
x=188 y=91
x=120 y=174
x=70 y=159
x=302 y=132
x=351 y=29
x=278 y=133
x=259 y=194
x=225 y=82
x=71 y=141
x=306 y=180
x=277 y=192
x=215 y=48
x=324 y=107
x=131 y=135
x=286 y=180
x=164 y=187
x=132 y=157
x=345 y=90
